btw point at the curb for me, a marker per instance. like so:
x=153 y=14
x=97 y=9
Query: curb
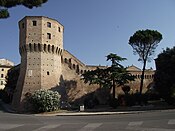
x=100 y=113
x=87 y=113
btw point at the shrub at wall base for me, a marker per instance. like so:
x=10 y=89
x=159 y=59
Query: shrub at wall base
x=43 y=101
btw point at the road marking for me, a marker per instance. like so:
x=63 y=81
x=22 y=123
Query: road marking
x=9 y=126
x=172 y=121
x=47 y=127
x=90 y=127
x=135 y=123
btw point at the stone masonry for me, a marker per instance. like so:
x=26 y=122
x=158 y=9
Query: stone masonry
x=46 y=65
x=41 y=47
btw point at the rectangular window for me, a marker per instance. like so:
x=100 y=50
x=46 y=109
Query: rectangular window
x=29 y=72
x=2 y=75
x=34 y=23
x=48 y=36
x=2 y=83
x=49 y=24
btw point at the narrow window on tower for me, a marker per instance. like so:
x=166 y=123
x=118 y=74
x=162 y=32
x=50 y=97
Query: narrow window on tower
x=47 y=72
x=34 y=23
x=49 y=24
x=59 y=29
x=2 y=75
x=48 y=36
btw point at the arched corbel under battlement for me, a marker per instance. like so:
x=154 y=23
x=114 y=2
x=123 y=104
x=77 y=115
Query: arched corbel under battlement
x=37 y=47
x=53 y=49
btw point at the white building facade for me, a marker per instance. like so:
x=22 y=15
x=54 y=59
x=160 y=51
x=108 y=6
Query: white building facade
x=5 y=65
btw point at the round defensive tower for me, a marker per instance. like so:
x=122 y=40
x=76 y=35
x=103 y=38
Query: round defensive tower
x=40 y=47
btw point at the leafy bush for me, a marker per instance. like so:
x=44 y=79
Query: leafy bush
x=113 y=103
x=44 y=100
x=126 y=89
x=89 y=103
x=132 y=99
x=126 y=99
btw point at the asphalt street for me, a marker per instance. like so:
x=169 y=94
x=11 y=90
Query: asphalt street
x=147 y=121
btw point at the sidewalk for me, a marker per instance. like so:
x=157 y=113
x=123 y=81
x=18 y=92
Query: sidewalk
x=99 y=110
x=110 y=111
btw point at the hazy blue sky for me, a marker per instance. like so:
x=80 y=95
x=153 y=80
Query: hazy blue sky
x=95 y=28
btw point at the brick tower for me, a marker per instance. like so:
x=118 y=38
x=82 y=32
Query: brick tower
x=40 y=47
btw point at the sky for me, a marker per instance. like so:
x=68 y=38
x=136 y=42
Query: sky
x=95 y=28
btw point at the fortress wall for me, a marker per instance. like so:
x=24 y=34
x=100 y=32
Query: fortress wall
x=76 y=64
x=72 y=68
x=135 y=85
x=46 y=65
x=74 y=86
x=73 y=62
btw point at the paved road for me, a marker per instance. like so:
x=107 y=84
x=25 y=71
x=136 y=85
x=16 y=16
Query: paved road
x=149 y=121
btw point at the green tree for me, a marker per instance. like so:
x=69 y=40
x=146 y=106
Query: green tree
x=110 y=77
x=98 y=76
x=119 y=74
x=165 y=74
x=144 y=43
x=5 y=4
